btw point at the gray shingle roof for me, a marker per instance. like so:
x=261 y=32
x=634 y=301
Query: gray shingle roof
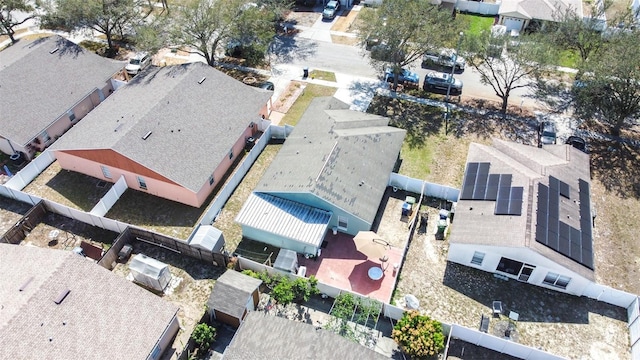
x=285 y=218
x=264 y=336
x=549 y=10
x=102 y=310
x=344 y=157
x=37 y=87
x=529 y=165
x=231 y=292
x=193 y=126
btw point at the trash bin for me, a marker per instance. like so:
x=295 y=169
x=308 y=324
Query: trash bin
x=305 y=73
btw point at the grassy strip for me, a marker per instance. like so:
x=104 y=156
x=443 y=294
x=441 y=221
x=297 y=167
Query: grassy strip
x=323 y=75
x=310 y=92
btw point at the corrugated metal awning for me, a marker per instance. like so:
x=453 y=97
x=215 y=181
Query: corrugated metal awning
x=285 y=218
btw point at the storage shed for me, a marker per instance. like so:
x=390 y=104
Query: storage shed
x=208 y=238
x=233 y=296
x=287 y=260
x=150 y=272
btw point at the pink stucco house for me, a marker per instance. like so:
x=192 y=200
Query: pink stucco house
x=47 y=86
x=172 y=132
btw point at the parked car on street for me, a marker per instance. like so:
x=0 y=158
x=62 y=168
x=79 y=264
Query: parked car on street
x=267 y=85
x=405 y=76
x=138 y=63
x=547 y=133
x=578 y=143
x=435 y=81
x=331 y=10
x=443 y=58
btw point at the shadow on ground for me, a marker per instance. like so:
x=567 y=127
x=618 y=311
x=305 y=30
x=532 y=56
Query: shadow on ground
x=615 y=164
x=287 y=49
x=532 y=303
x=83 y=191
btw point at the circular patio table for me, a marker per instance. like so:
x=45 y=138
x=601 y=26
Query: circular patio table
x=375 y=273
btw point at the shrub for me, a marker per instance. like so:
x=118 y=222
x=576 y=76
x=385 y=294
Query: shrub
x=304 y=288
x=418 y=335
x=283 y=291
x=203 y=335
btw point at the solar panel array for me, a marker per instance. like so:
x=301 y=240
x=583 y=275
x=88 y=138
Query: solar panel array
x=576 y=244
x=480 y=185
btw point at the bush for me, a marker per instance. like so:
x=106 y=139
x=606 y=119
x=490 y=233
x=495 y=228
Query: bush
x=418 y=335
x=283 y=291
x=203 y=335
x=304 y=288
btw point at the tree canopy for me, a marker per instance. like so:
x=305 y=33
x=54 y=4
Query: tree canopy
x=406 y=29
x=418 y=335
x=608 y=85
x=8 y=22
x=207 y=25
x=108 y=17
x=506 y=65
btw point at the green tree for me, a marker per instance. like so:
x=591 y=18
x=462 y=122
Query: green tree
x=418 y=335
x=283 y=291
x=304 y=288
x=203 y=335
x=506 y=66
x=207 y=25
x=108 y=17
x=406 y=29
x=7 y=20
x=608 y=85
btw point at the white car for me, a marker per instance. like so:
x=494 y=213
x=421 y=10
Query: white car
x=138 y=63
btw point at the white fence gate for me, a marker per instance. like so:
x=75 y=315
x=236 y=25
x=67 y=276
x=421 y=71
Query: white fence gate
x=109 y=199
x=20 y=180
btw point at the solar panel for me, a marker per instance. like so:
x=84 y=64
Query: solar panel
x=481 y=186
x=554 y=183
x=552 y=239
x=565 y=230
x=515 y=207
x=483 y=168
x=564 y=248
x=576 y=251
x=587 y=258
x=576 y=236
x=502 y=207
x=564 y=189
x=541 y=234
x=492 y=187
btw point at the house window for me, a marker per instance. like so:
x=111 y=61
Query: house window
x=45 y=137
x=142 y=183
x=477 y=259
x=342 y=223
x=105 y=172
x=211 y=181
x=556 y=280
x=155 y=354
x=72 y=115
x=231 y=154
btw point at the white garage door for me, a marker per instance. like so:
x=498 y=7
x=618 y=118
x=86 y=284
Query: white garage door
x=513 y=24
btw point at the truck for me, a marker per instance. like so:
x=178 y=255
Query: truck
x=443 y=58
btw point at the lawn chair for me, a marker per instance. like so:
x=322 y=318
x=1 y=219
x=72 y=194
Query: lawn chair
x=497 y=308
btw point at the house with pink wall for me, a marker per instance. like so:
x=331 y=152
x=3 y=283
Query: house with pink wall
x=172 y=132
x=48 y=85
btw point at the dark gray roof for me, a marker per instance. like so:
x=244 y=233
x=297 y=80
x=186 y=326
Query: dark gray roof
x=193 y=125
x=37 y=86
x=231 y=291
x=342 y=156
x=529 y=166
x=82 y=325
x=262 y=336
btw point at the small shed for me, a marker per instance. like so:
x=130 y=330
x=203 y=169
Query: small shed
x=233 y=296
x=287 y=260
x=208 y=238
x=150 y=272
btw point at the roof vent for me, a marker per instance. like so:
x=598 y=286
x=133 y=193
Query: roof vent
x=54 y=51
x=202 y=80
x=26 y=283
x=146 y=135
x=63 y=294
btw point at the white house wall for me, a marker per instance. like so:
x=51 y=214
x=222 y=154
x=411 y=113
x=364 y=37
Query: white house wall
x=463 y=253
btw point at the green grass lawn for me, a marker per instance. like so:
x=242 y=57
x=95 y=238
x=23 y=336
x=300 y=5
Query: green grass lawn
x=475 y=24
x=323 y=75
x=310 y=92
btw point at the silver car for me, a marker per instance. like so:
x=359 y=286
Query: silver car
x=138 y=63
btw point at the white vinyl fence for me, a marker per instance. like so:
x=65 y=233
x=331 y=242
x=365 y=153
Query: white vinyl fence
x=477 y=7
x=633 y=313
x=110 y=198
x=20 y=180
x=498 y=344
x=430 y=189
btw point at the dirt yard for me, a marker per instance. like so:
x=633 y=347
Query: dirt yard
x=190 y=287
x=70 y=233
x=11 y=211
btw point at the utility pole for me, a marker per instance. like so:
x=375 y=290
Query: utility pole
x=454 y=58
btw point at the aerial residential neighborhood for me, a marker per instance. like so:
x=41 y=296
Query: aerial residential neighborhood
x=378 y=179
